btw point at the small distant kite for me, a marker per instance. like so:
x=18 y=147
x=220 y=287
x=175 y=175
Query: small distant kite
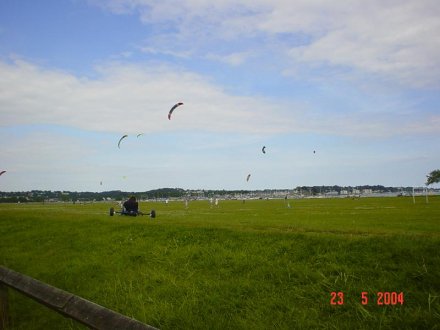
x=123 y=137
x=314 y=151
x=173 y=108
x=264 y=150
x=140 y=134
x=248 y=177
x=2 y=172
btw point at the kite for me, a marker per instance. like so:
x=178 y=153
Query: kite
x=172 y=109
x=139 y=134
x=247 y=179
x=264 y=150
x=123 y=137
x=2 y=172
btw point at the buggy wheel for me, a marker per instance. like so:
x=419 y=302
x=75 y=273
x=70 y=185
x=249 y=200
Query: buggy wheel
x=112 y=211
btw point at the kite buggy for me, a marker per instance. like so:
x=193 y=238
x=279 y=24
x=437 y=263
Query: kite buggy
x=152 y=213
x=131 y=208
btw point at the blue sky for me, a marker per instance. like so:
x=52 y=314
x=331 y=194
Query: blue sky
x=356 y=82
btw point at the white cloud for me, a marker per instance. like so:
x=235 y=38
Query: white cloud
x=234 y=59
x=398 y=40
x=132 y=99
x=155 y=51
x=136 y=98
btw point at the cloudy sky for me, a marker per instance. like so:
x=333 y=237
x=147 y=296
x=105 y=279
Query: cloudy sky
x=339 y=92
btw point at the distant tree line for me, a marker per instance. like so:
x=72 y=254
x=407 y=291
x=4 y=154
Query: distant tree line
x=118 y=195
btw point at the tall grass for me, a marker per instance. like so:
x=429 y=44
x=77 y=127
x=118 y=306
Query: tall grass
x=257 y=264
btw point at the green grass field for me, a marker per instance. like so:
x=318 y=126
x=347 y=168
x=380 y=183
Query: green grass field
x=253 y=265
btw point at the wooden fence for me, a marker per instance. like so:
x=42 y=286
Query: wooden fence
x=81 y=310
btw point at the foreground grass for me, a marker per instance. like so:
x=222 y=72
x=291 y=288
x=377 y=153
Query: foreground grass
x=252 y=265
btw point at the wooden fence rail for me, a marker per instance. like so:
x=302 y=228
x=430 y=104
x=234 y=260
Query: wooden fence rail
x=86 y=312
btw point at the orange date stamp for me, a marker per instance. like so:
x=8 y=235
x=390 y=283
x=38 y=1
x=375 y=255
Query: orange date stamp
x=378 y=298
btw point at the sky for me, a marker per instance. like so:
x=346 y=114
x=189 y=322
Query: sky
x=339 y=93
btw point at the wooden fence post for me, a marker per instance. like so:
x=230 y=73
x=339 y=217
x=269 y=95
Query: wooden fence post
x=4 y=312
x=86 y=312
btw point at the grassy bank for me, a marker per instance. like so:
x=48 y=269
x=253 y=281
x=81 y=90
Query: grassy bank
x=257 y=264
